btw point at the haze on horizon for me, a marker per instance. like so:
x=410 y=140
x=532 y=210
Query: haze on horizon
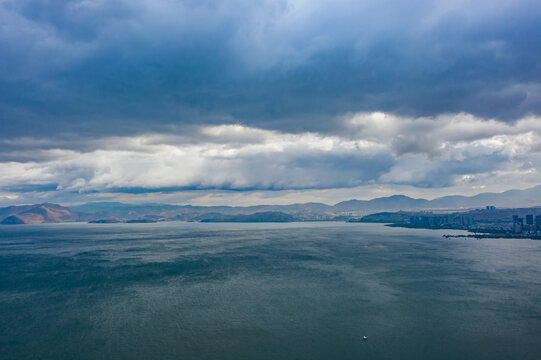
x=267 y=102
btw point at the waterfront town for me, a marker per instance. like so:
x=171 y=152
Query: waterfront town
x=519 y=222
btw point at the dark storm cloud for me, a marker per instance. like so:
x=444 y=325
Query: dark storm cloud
x=317 y=94
x=120 y=67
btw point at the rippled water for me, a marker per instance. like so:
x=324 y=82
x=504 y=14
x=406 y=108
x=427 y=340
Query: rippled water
x=265 y=291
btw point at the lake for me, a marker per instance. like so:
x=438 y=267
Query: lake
x=177 y=290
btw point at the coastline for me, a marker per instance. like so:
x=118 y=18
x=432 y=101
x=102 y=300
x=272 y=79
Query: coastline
x=475 y=234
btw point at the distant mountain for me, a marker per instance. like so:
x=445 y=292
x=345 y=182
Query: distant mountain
x=189 y=212
x=104 y=221
x=12 y=210
x=33 y=214
x=267 y=216
x=512 y=198
x=94 y=207
x=115 y=211
x=383 y=203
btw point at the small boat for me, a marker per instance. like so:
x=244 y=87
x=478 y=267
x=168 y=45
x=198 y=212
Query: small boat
x=365 y=338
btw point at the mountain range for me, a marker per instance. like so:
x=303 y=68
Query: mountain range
x=115 y=211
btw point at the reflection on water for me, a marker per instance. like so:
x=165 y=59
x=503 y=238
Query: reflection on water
x=265 y=291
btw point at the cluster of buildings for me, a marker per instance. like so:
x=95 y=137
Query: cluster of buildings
x=443 y=220
x=489 y=218
x=531 y=225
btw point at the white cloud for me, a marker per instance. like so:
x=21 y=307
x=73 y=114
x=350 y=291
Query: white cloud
x=435 y=136
x=227 y=156
x=374 y=148
x=9 y=196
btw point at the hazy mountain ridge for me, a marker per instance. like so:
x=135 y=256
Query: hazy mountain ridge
x=44 y=213
x=511 y=198
x=266 y=216
x=383 y=203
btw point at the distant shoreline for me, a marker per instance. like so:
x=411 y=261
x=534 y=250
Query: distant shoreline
x=492 y=236
x=481 y=234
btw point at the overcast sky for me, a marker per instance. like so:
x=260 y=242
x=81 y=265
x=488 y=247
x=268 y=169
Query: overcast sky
x=251 y=102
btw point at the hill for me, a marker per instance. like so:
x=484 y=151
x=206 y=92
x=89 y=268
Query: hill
x=34 y=214
x=268 y=216
x=115 y=211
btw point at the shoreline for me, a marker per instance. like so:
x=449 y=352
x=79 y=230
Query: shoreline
x=481 y=234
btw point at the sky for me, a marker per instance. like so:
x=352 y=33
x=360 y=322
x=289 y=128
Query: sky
x=240 y=102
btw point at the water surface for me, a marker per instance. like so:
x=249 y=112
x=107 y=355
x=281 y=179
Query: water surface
x=265 y=291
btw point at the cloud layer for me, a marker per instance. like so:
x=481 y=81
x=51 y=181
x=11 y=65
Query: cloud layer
x=138 y=96
x=375 y=148
x=119 y=67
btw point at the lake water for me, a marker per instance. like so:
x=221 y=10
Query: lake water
x=265 y=291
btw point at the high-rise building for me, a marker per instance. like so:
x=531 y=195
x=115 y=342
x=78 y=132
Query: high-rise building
x=538 y=223
x=529 y=223
x=518 y=224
